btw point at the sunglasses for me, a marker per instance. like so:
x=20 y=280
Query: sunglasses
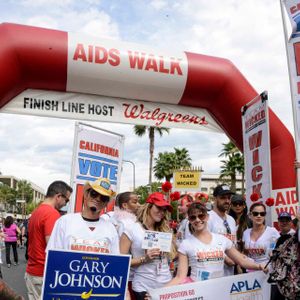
x=227 y=227
x=201 y=217
x=241 y=203
x=258 y=213
x=95 y=195
x=65 y=197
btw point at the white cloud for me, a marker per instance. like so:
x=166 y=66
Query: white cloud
x=158 y=4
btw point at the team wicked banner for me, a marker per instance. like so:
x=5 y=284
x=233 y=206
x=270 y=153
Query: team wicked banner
x=256 y=142
x=187 y=180
x=109 y=109
x=96 y=153
x=239 y=287
x=77 y=275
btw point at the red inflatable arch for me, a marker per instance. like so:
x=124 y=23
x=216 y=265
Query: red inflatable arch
x=37 y=58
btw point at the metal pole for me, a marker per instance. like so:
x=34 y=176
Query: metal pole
x=294 y=101
x=133 y=166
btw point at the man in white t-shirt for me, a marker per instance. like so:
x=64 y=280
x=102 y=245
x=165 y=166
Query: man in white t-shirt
x=85 y=231
x=222 y=223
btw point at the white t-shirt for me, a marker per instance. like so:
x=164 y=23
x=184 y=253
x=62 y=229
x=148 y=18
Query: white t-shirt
x=107 y=216
x=259 y=251
x=216 y=224
x=123 y=219
x=152 y=275
x=72 y=232
x=206 y=260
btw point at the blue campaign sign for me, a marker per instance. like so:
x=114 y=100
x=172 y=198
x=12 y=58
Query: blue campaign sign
x=77 y=275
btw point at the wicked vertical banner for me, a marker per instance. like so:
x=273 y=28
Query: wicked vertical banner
x=96 y=153
x=256 y=143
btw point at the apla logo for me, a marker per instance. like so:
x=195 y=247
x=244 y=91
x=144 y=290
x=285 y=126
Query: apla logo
x=244 y=286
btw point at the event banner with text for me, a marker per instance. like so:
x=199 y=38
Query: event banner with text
x=86 y=107
x=239 y=287
x=97 y=153
x=256 y=141
x=285 y=200
x=79 y=275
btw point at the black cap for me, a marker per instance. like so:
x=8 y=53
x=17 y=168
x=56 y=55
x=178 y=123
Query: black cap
x=222 y=189
x=237 y=198
x=284 y=215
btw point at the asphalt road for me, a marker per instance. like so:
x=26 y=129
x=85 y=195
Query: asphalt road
x=14 y=275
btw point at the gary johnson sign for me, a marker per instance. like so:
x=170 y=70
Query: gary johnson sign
x=78 y=275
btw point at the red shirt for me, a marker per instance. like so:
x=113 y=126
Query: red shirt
x=40 y=225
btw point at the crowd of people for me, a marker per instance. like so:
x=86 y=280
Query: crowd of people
x=208 y=243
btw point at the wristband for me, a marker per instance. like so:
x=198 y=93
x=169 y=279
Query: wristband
x=142 y=259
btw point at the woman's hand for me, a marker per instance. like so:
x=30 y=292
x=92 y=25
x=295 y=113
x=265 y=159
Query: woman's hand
x=152 y=253
x=263 y=268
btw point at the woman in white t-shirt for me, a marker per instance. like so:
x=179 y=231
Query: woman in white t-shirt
x=205 y=251
x=151 y=269
x=260 y=240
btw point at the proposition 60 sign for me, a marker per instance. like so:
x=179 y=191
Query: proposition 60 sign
x=77 y=275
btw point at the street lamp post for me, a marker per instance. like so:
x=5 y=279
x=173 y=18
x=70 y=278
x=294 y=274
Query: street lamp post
x=133 y=168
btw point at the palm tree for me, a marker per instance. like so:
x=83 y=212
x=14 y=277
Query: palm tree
x=167 y=162
x=182 y=158
x=25 y=191
x=233 y=164
x=163 y=167
x=7 y=195
x=140 y=130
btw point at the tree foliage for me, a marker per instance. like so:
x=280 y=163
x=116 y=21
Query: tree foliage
x=232 y=165
x=7 y=195
x=167 y=162
x=140 y=131
x=25 y=191
x=144 y=190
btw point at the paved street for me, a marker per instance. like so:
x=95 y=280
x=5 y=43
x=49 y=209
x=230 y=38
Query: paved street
x=14 y=276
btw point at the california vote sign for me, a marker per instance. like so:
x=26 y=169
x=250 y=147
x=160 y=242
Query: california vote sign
x=77 y=275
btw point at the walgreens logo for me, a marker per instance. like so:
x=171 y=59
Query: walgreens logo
x=158 y=116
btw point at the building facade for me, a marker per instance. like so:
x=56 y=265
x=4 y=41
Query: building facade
x=11 y=181
x=210 y=181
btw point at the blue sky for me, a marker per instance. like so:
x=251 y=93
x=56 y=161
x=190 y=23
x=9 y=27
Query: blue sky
x=248 y=32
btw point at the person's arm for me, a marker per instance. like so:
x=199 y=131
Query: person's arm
x=229 y=262
x=182 y=270
x=47 y=238
x=125 y=245
x=18 y=230
x=243 y=260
